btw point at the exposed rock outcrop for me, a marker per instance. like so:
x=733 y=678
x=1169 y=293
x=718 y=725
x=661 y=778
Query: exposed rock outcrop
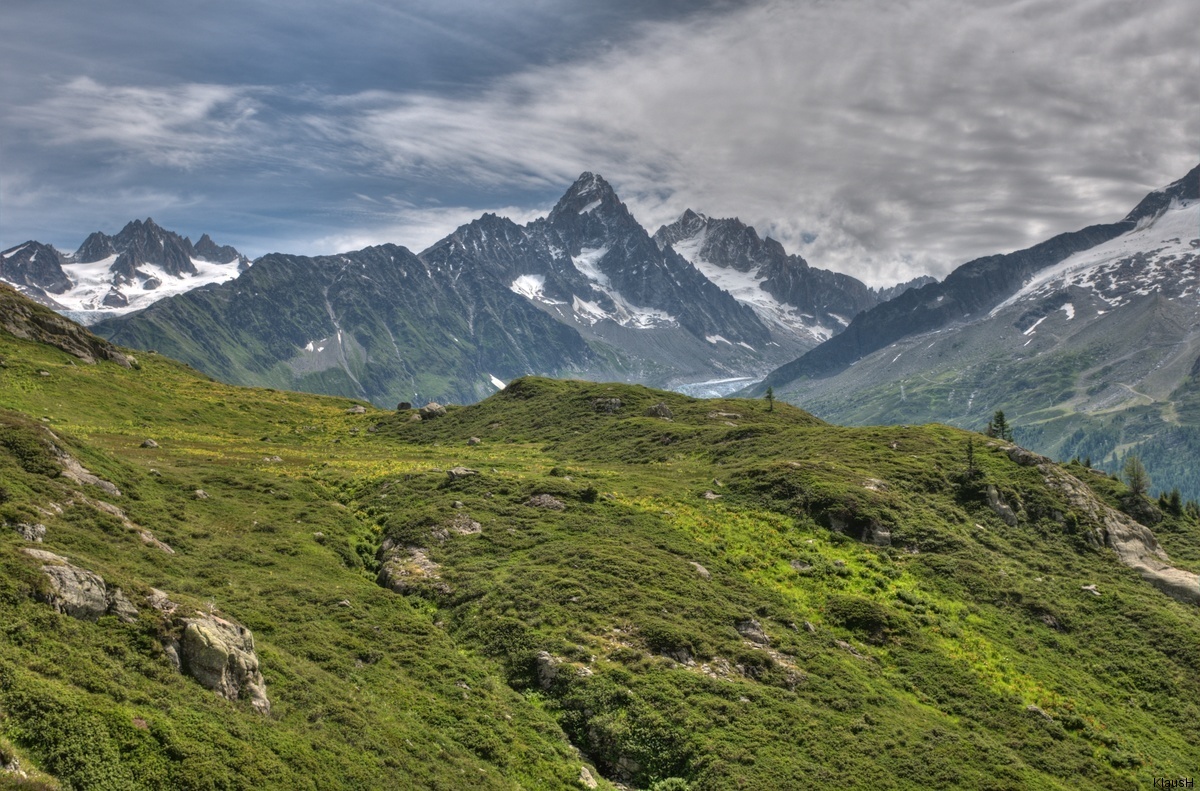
x=1134 y=543
x=607 y=406
x=546 y=501
x=409 y=569
x=660 y=410
x=461 y=524
x=1002 y=509
x=29 y=320
x=34 y=533
x=74 y=471
x=752 y=630
x=454 y=473
x=432 y=410
x=78 y=592
x=220 y=655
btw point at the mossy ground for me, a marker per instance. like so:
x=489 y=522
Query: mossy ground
x=912 y=665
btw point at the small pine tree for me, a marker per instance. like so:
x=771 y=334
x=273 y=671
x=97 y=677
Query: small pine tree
x=1136 y=476
x=972 y=470
x=998 y=427
x=770 y=396
x=1175 y=503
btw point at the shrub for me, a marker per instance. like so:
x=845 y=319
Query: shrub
x=875 y=620
x=30 y=451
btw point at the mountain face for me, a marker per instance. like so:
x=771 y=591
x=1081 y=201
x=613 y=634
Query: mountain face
x=1088 y=342
x=379 y=324
x=584 y=291
x=35 y=268
x=108 y=275
x=567 y=585
x=787 y=294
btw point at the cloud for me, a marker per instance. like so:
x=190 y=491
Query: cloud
x=181 y=127
x=877 y=138
x=905 y=137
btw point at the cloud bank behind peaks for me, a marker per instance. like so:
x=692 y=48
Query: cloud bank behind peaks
x=882 y=139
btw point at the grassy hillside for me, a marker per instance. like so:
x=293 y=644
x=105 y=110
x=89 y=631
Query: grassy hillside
x=729 y=598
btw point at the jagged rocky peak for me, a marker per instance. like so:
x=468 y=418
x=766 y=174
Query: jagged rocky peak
x=34 y=265
x=210 y=251
x=589 y=196
x=727 y=242
x=147 y=242
x=96 y=247
x=883 y=294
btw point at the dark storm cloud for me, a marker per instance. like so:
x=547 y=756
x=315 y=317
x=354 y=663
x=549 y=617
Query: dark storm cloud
x=903 y=137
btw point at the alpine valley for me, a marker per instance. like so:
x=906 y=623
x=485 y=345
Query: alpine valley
x=1089 y=342
x=567 y=585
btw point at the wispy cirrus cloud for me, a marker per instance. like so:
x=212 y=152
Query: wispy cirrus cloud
x=183 y=126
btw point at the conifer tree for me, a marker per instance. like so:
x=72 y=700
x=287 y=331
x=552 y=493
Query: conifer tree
x=999 y=428
x=1136 y=476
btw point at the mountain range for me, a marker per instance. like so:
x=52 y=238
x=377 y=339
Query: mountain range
x=109 y=275
x=1089 y=342
x=702 y=305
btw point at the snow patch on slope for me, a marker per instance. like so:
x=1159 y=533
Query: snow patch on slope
x=532 y=287
x=587 y=262
x=625 y=312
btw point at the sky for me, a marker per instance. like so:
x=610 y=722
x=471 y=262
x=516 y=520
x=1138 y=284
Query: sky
x=881 y=138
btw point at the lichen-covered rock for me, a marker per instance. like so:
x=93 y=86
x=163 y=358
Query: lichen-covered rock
x=357 y=409
x=121 y=607
x=454 y=473
x=752 y=630
x=547 y=669
x=703 y=572
x=409 y=569
x=546 y=501
x=149 y=444
x=996 y=503
x=1026 y=458
x=34 y=533
x=607 y=406
x=160 y=601
x=78 y=592
x=220 y=655
x=432 y=410
x=660 y=410
x=474 y=440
